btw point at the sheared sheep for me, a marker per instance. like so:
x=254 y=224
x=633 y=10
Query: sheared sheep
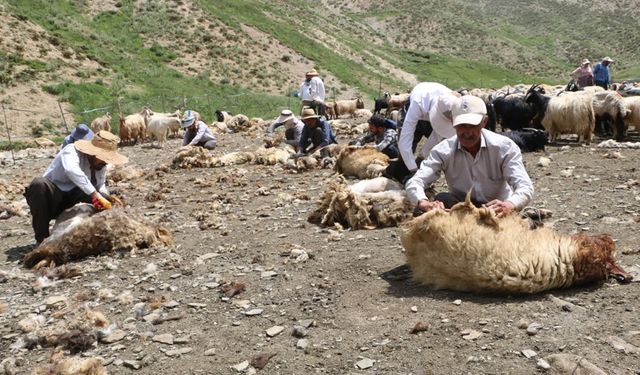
x=368 y=204
x=361 y=162
x=101 y=123
x=470 y=249
x=79 y=237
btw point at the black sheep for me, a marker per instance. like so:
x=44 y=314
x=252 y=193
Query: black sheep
x=381 y=103
x=512 y=112
x=528 y=139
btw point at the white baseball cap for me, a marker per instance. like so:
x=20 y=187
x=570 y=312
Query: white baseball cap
x=469 y=110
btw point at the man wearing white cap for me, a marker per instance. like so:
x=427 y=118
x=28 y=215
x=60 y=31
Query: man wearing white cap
x=292 y=127
x=476 y=159
x=429 y=101
x=197 y=132
x=77 y=174
x=601 y=73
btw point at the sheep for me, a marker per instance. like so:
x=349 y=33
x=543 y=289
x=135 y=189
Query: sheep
x=273 y=155
x=362 y=113
x=110 y=230
x=609 y=105
x=43 y=142
x=368 y=204
x=174 y=128
x=394 y=115
x=75 y=366
x=237 y=123
x=528 y=139
x=101 y=123
x=469 y=249
x=159 y=126
x=512 y=112
x=381 y=103
x=632 y=104
x=348 y=107
x=570 y=113
x=133 y=127
x=223 y=116
x=330 y=110
x=397 y=101
x=361 y=162
x=199 y=157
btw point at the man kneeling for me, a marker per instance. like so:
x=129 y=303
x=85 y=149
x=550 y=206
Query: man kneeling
x=383 y=135
x=476 y=159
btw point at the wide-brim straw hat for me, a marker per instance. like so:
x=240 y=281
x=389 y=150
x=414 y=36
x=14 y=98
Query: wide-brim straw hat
x=307 y=113
x=312 y=73
x=608 y=59
x=103 y=146
x=585 y=62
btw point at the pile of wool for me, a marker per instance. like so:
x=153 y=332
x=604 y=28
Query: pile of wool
x=368 y=204
x=361 y=162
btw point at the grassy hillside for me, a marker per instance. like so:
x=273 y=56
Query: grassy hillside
x=249 y=55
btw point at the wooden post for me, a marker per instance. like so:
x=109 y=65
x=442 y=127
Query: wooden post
x=63 y=119
x=6 y=124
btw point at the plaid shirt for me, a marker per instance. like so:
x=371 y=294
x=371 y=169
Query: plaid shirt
x=382 y=141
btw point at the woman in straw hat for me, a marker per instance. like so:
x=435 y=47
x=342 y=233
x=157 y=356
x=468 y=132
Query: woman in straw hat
x=583 y=74
x=292 y=127
x=77 y=174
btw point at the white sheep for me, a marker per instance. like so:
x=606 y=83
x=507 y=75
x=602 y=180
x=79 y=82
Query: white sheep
x=159 y=126
x=469 y=249
x=632 y=104
x=368 y=204
x=610 y=104
x=570 y=113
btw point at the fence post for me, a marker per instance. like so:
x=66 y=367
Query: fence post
x=6 y=124
x=63 y=119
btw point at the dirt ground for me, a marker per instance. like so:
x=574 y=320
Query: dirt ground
x=354 y=317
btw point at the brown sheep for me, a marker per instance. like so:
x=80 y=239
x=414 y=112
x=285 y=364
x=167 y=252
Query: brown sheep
x=111 y=230
x=348 y=107
x=469 y=249
x=101 y=123
x=361 y=162
x=397 y=101
x=133 y=128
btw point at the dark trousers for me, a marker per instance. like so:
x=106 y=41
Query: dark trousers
x=398 y=171
x=46 y=202
x=601 y=84
x=391 y=151
x=450 y=200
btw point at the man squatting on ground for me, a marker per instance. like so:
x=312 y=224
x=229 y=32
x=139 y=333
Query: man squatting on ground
x=77 y=174
x=476 y=159
x=292 y=127
x=316 y=133
x=383 y=134
x=197 y=132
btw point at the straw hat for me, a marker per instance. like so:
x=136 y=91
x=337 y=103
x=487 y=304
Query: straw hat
x=608 y=59
x=104 y=146
x=585 y=62
x=312 y=73
x=307 y=113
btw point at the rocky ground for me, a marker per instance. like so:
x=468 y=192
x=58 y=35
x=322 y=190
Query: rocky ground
x=249 y=283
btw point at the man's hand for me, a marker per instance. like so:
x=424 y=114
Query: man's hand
x=99 y=202
x=501 y=208
x=427 y=205
x=115 y=200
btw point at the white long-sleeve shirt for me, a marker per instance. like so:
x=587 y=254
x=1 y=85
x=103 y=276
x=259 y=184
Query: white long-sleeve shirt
x=316 y=89
x=423 y=97
x=203 y=134
x=294 y=123
x=305 y=94
x=71 y=169
x=496 y=172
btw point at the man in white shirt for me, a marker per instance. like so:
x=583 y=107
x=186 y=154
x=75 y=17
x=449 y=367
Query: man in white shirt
x=429 y=106
x=292 y=127
x=77 y=174
x=476 y=159
x=312 y=92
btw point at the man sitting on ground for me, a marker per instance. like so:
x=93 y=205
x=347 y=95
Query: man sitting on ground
x=382 y=133
x=77 y=174
x=488 y=164
x=316 y=133
x=197 y=132
x=292 y=127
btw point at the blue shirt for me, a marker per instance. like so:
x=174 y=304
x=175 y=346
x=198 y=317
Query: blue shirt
x=329 y=136
x=601 y=73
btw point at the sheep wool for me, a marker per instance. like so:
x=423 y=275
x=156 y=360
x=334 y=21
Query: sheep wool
x=469 y=249
x=361 y=162
x=110 y=230
x=368 y=204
